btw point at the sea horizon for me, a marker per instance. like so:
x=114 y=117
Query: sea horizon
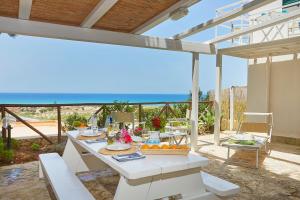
x=81 y=98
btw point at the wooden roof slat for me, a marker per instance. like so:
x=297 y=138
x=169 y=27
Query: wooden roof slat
x=67 y=12
x=9 y=8
x=124 y=15
x=102 y=7
x=127 y=15
x=163 y=16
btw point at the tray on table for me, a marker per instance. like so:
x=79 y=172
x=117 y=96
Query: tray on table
x=165 y=151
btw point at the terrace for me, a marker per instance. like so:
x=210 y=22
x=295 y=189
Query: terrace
x=233 y=174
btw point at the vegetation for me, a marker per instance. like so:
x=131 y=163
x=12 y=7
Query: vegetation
x=207 y=119
x=6 y=155
x=35 y=147
x=73 y=119
x=15 y=143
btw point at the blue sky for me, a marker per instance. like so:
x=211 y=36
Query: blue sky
x=31 y=64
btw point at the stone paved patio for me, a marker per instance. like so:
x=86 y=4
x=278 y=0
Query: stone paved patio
x=277 y=178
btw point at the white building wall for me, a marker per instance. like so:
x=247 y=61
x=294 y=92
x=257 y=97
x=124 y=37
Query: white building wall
x=283 y=96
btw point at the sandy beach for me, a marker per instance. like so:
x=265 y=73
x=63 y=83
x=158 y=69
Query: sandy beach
x=20 y=131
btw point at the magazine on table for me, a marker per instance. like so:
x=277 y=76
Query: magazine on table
x=128 y=157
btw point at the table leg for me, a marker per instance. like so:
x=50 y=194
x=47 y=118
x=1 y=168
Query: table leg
x=131 y=191
x=190 y=186
x=73 y=159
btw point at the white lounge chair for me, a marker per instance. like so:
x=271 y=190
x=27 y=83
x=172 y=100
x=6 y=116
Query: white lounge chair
x=250 y=123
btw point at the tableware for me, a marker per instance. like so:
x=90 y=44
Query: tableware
x=95 y=141
x=89 y=133
x=118 y=147
x=137 y=139
x=81 y=129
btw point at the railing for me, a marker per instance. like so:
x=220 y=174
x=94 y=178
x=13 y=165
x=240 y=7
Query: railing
x=6 y=109
x=284 y=30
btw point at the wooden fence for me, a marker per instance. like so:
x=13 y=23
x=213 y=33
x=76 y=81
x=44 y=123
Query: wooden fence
x=6 y=109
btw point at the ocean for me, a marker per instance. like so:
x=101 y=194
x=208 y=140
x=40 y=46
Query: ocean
x=64 y=98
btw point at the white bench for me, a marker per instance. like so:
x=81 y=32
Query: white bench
x=64 y=184
x=219 y=186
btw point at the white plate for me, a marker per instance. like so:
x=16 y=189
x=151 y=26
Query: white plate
x=118 y=147
x=89 y=133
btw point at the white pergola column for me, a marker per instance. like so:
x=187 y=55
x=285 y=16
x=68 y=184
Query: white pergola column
x=195 y=100
x=268 y=82
x=231 y=108
x=218 y=100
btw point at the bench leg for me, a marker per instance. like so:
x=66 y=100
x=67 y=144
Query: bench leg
x=41 y=174
x=257 y=151
x=228 y=152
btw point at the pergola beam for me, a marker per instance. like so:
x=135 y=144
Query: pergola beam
x=218 y=99
x=219 y=20
x=42 y=29
x=99 y=11
x=163 y=16
x=24 y=9
x=264 y=49
x=195 y=100
x=258 y=27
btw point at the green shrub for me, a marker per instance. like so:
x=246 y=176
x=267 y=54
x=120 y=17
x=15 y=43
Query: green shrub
x=1 y=146
x=15 y=143
x=7 y=155
x=207 y=118
x=77 y=124
x=70 y=119
x=35 y=147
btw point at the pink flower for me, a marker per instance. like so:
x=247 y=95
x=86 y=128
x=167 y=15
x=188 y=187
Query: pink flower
x=127 y=139
x=124 y=132
x=125 y=136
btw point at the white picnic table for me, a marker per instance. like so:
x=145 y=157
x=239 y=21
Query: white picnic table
x=154 y=177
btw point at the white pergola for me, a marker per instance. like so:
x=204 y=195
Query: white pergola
x=24 y=25
x=92 y=26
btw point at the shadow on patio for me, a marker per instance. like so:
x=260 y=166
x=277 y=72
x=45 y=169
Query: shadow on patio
x=278 y=176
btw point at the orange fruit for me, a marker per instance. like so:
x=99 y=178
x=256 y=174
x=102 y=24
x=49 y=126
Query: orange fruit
x=183 y=147
x=145 y=146
x=165 y=146
x=173 y=147
x=155 y=147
